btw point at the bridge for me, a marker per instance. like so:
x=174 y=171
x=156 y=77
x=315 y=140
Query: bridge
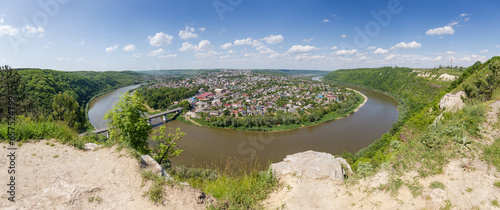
x=150 y=118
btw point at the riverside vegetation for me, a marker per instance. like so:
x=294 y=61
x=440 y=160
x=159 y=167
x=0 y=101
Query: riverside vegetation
x=416 y=142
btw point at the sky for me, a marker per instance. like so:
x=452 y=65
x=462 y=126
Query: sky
x=246 y=34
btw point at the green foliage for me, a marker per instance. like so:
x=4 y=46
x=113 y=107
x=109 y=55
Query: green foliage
x=482 y=87
x=156 y=192
x=65 y=108
x=10 y=86
x=164 y=97
x=128 y=123
x=167 y=143
x=497 y=184
x=437 y=184
x=365 y=168
x=492 y=153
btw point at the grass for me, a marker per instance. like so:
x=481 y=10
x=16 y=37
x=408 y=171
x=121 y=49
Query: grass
x=492 y=154
x=243 y=190
x=156 y=191
x=495 y=203
x=469 y=190
x=437 y=184
x=497 y=184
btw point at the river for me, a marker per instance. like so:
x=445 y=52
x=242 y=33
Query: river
x=205 y=146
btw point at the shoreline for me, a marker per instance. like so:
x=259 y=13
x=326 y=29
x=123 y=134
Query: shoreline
x=190 y=121
x=364 y=102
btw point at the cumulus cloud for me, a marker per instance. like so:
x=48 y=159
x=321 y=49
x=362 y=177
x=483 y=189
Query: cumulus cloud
x=247 y=41
x=463 y=14
x=160 y=39
x=371 y=48
x=188 y=33
x=168 y=56
x=226 y=46
x=302 y=49
x=326 y=21
x=273 y=39
x=407 y=46
x=450 y=53
x=129 y=48
x=484 y=51
x=202 y=29
x=380 y=51
x=343 y=36
x=390 y=57
x=440 y=31
x=136 y=55
x=156 y=52
x=204 y=45
x=33 y=30
x=438 y=58
x=308 y=40
x=209 y=54
x=334 y=48
x=112 y=48
x=346 y=52
x=8 y=30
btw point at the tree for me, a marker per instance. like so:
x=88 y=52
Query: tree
x=65 y=108
x=128 y=123
x=10 y=90
x=167 y=144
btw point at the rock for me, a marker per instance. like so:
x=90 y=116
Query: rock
x=447 y=77
x=91 y=146
x=149 y=163
x=452 y=101
x=313 y=165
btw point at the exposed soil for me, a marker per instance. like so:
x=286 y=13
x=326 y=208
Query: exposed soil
x=63 y=177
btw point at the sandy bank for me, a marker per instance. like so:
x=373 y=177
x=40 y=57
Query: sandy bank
x=364 y=102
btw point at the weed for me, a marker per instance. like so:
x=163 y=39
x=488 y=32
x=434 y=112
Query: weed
x=437 y=184
x=415 y=188
x=56 y=156
x=495 y=203
x=33 y=154
x=492 y=153
x=155 y=192
x=448 y=205
x=469 y=189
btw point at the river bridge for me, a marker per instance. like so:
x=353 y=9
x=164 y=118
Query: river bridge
x=150 y=118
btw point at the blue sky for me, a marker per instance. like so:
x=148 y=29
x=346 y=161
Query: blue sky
x=291 y=34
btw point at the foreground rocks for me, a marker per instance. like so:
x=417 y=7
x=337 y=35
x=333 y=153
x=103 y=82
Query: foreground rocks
x=312 y=165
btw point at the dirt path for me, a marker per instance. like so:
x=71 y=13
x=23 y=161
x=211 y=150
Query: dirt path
x=194 y=122
x=492 y=121
x=63 y=177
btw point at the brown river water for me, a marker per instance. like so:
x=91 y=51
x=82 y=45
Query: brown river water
x=205 y=146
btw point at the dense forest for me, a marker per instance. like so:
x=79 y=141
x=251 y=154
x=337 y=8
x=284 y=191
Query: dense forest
x=50 y=94
x=418 y=101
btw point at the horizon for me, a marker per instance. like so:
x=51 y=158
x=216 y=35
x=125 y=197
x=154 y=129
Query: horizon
x=68 y=35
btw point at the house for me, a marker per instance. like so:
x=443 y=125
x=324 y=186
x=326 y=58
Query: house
x=205 y=96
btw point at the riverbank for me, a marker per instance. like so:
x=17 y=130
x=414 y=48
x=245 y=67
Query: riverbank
x=327 y=118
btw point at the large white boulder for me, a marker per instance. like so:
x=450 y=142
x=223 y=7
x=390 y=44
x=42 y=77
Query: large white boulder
x=312 y=165
x=452 y=101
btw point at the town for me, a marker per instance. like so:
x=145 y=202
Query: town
x=242 y=93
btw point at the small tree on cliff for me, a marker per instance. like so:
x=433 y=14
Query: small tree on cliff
x=128 y=123
x=167 y=144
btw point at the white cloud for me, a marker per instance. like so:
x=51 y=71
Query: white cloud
x=129 y=47
x=326 y=21
x=308 y=40
x=390 y=57
x=33 y=30
x=1 y=20
x=463 y=14
x=204 y=45
x=209 y=54
x=438 y=58
x=302 y=49
x=188 y=33
x=440 y=31
x=136 y=55
x=112 y=48
x=343 y=36
x=156 y=52
x=453 y=23
x=202 y=29
x=484 y=51
x=247 y=41
x=380 y=51
x=371 y=48
x=407 y=46
x=273 y=39
x=168 y=56
x=450 y=53
x=334 y=48
x=160 y=39
x=226 y=46
x=8 y=30
x=346 y=52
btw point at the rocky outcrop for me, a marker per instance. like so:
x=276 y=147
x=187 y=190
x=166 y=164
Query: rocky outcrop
x=452 y=101
x=91 y=146
x=312 y=165
x=149 y=163
x=447 y=77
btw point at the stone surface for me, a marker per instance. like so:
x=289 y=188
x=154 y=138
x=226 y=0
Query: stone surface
x=312 y=165
x=452 y=101
x=447 y=77
x=91 y=146
x=149 y=163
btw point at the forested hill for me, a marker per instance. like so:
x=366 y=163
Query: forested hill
x=41 y=85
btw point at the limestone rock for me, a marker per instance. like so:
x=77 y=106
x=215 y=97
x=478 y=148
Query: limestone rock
x=149 y=163
x=313 y=165
x=452 y=101
x=91 y=146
